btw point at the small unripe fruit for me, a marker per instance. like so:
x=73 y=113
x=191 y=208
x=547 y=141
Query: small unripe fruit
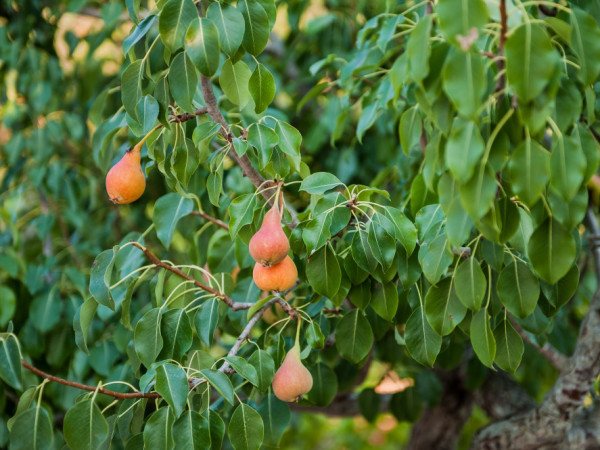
x=279 y=277
x=292 y=379
x=125 y=181
x=270 y=245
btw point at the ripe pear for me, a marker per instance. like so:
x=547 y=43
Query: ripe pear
x=270 y=245
x=125 y=181
x=292 y=379
x=279 y=277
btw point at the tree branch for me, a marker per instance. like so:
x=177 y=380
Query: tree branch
x=243 y=161
x=85 y=387
x=238 y=343
x=234 y=306
x=500 y=61
x=210 y=219
x=555 y=358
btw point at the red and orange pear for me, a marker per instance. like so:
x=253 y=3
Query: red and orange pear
x=279 y=277
x=292 y=379
x=125 y=181
x=270 y=245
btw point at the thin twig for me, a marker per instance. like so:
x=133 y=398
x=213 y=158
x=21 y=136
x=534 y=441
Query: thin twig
x=500 y=61
x=558 y=360
x=225 y=368
x=85 y=387
x=594 y=229
x=235 y=306
x=211 y=219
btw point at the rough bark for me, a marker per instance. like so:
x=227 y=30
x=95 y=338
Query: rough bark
x=559 y=422
x=439 y=427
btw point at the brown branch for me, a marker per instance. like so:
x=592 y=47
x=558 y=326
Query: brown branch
x=555 y=358
x=594 y=229
x=235 y=306
x=244 y=162
x=85 y=387
x=210 y=219
x=500 y=61
x=226 y=368
x=289 y=309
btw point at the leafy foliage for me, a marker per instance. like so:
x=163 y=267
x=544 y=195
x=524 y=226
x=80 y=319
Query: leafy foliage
x=434 y=173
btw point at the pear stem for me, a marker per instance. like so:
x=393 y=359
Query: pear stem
x=298 y=332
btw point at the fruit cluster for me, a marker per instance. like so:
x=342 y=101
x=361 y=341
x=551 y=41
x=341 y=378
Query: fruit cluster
x=274 y=269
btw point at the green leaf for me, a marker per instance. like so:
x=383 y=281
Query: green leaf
x=234 y=79
x=131 y=87
x=406 y=232
x=137 y=33
x=383 y=246
x=478 y=193
x=323 y=272
x=470 y=284
x=418 y=51
x=464 y=148
x=32 y=430
x=443 y=309
x=567 y=166
x=276 y=418
x=216 y=428
x=289 y=143
x=10 y=361
x=529 y=171
x=257 y=30
x=353 y=336
x=320 y=182
x=45 y=311
x=410 y=129
x=167 y=211
x=82 y=321
x=231 y=26
x=206 y=320
x=369 y=404
x=202 y=46
x=316 y=232
x=100 y=278
x=84 y=426
x=530 y=60
x=590 y=147
x=158 y=432
x=325 y=385
x=146 y=338
x=551 y=251
x=482 y=338
x=243 y=368
x=458 y=17
x=361 y=252
x=246 y=428
x=465 y=81
x=172 y=385
x=585 y=42
x=314 y=335
x=360 y=295
x=8 y=304
x=435 y=258
x=384 y=300
x=183 y=80
x=406 y=406
x=174 y=20
x=518 y=289
x=265 y=368
x=221 y=383
x=176 y=332
x=262 y=88
x=147 y=112
x=509 y=347
x=422 y=342
x=264 y=139
x=214 y=185
x=191 y=431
